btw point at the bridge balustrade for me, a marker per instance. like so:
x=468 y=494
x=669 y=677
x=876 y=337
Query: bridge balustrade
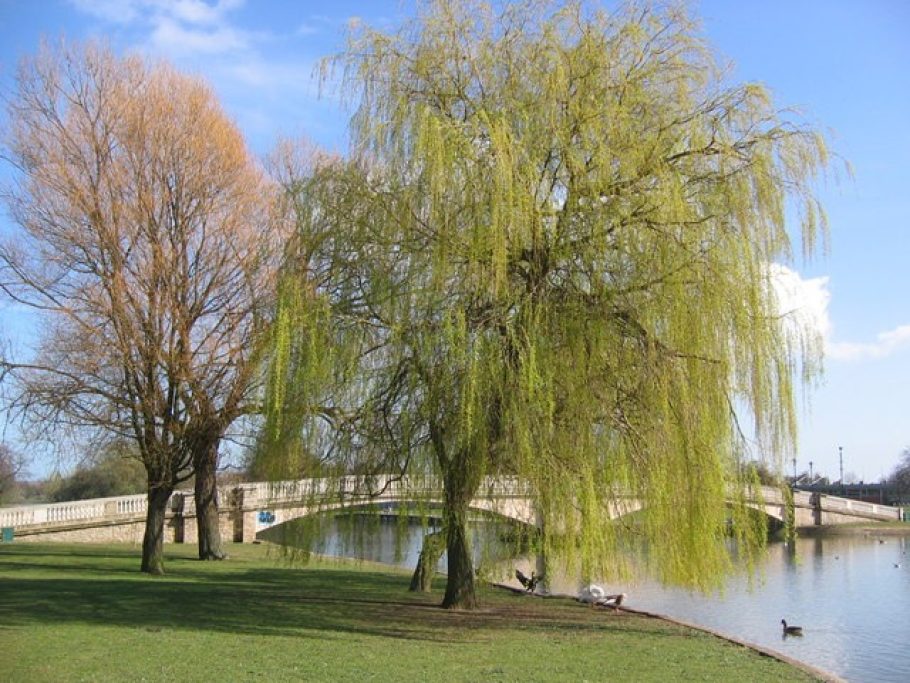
x=858 y=507
x=251 y=498
x=370 y=487
x=73 y=511
x=132 y=505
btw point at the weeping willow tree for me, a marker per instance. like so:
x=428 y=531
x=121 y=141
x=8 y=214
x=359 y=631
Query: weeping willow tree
x=307 y=359
x=566 y=223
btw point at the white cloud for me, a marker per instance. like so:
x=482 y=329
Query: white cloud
x=176 y=26
x=198 y=12
x=884 y=345
x=172 y=37
x=272 y=78
x=128 y=11
x=116 y=11
x=805 y=302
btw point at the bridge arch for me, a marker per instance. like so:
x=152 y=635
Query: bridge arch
x=122 y=518
x=520 y=511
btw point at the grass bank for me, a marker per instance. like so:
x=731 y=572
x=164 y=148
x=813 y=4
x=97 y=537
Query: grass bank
x=84 y=613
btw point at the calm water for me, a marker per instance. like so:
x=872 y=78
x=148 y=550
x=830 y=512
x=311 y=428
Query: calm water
x=851 y=600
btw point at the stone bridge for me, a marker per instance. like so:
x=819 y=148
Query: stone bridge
x=250 y=508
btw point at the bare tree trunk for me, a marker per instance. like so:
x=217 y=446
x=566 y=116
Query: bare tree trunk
x=153 y=540
x=205 y=461
x=433 y=546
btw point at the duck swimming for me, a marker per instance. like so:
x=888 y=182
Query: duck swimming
x=791 y=630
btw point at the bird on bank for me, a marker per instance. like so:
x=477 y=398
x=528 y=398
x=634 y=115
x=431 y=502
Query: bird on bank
x=614 y=600
x=595 y=595
x=591 y=594
x=529 y=582
x=791 y=630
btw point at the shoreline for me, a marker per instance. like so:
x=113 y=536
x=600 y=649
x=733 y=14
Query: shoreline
x=859 y=529
x=812 y=670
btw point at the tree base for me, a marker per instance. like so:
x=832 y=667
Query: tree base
x=433 y=547
x=463 y=602
x=153 y=570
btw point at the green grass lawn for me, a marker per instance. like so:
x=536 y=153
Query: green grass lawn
x=85 y=613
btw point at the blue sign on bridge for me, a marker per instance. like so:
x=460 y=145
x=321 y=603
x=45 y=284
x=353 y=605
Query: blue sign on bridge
x=266 y=517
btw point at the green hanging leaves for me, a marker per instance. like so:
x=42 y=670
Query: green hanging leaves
x=564 y=230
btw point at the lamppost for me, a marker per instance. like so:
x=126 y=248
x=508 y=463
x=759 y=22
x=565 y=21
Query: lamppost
x=840 y=450
x=810 y=472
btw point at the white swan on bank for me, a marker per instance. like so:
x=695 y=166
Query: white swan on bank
x=593 y=594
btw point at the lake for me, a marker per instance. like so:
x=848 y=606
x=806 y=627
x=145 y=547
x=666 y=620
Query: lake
x=846 y=592
x=851 y=595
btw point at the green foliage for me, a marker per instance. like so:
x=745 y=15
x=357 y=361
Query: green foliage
x=317 y=333
x=790 y=518
x=117 y=471
x=564 y=231
x=765 y=473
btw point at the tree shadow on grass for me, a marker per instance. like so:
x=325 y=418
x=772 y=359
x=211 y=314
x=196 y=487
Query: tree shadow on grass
x=235 y=607
x=309 y=602
x=69 y=559
x=69 y=551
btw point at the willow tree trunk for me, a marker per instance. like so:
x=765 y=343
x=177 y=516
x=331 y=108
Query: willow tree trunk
x=433 y=546
x=461 y=481
x=153 y=540
x=205 y=462
x=460 y=593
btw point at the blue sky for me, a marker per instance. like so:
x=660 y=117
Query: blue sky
x=843 y=63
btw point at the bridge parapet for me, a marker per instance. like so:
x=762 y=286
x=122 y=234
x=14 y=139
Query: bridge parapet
x=74 y=511
x=773 y=495
x=241 y=505
x=368 y=488
x=836 y=510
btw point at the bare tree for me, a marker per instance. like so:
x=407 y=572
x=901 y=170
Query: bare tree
x=900 y=476
x=12 y=465
x=148 y=242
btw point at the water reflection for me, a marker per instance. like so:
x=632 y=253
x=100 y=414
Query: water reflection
x=851 y=595
x=846 y=592
x=394 y=540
